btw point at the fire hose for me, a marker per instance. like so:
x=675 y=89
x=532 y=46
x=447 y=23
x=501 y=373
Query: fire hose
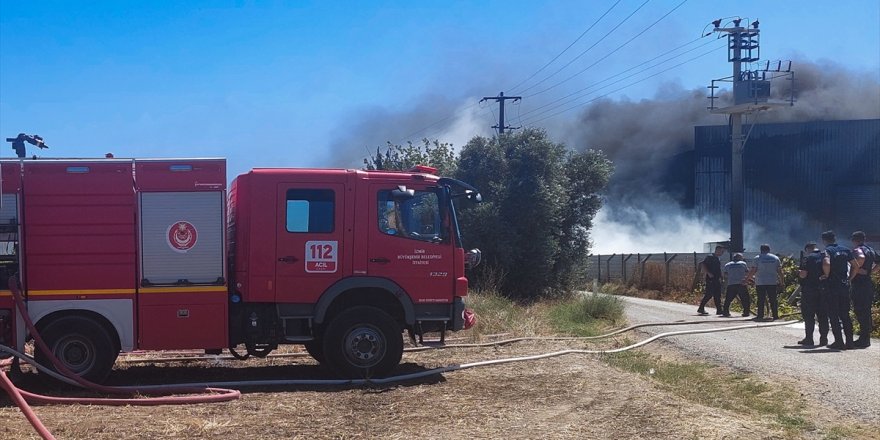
x=185 y=357
x=426 y=373
x=22 y=398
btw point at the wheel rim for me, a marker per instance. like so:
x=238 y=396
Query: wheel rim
x=76 y=353
x=364 y=346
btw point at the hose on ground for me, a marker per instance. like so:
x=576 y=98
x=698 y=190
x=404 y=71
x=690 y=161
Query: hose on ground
x=22 y=398
x=445 y=346
x=194 y=394
x=435 y=371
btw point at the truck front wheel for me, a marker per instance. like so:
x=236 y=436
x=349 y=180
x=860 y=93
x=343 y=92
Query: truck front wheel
x=363 y=342
x=81 y=344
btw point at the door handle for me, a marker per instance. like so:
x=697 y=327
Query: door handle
x=288 y=259
x=380 y=260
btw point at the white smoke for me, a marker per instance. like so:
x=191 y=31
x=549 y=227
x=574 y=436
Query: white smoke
x=635 y=229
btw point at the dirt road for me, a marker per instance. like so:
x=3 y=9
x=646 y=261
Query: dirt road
x=846 y=380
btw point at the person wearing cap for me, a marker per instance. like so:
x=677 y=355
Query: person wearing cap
x=835 y=272
x=736 y=273
x=767 y=275
x=862 y=290
x=811 y=296
x=711 y=266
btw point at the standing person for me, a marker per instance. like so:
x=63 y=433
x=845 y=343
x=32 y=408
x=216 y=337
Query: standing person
x=736 y=273
x=811 y=296
x=862 y=287
x=835 y=267
x=711 y=266
x=767 y=273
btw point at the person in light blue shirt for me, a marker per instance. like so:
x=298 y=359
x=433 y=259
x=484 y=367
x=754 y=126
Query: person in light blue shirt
x=735 y=273
x=767 y=274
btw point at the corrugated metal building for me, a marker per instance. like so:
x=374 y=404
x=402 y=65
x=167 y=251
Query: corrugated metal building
x=801 y=178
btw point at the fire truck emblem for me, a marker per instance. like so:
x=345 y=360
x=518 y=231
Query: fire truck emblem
x=182 y=236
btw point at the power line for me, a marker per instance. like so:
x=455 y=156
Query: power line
x=567 y=48
x=612 y=52
x=588 y=49
x=535 y=121
x=664 y=54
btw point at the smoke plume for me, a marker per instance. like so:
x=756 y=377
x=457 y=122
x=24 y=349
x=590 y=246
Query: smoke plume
x=645 y=138
x=645 y=211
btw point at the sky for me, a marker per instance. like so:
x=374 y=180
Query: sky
x=314 y=84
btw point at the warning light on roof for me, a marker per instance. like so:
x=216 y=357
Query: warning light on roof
x=423 y=169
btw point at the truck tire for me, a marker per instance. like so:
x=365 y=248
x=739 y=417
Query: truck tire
x=82 y=344
x=363 y=342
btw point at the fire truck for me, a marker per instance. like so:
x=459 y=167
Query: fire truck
x=116 y=255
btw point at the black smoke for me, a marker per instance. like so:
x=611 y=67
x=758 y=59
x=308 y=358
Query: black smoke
x=651 y=144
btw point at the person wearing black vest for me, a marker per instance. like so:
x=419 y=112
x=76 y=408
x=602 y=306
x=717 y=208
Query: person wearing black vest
x=812 y=309
x=711 y=266
x=862 y=287
x=835 y=267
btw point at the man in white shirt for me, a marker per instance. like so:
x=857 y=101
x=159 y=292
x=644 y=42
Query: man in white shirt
x=767 y=274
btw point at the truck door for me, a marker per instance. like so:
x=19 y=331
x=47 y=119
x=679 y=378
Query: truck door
x=410 y=242
x=309 y=245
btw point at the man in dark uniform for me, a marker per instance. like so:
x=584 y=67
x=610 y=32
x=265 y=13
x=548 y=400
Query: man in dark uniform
x=862 y=287
x=711 y=266
x=811 y=297
x=835 y=267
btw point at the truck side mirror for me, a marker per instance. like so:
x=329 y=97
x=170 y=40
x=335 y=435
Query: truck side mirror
x=474 y=196
x=402 y=193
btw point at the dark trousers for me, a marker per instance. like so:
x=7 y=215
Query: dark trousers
x=713 y=291
x=862 y=297
x=740 y=291
x=813 y=311
x=765 y=293
x=837 y=305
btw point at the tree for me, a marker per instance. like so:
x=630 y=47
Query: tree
x=540 y=201
x=403 y=157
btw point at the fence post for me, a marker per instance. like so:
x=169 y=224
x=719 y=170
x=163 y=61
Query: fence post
x=623 y=265
x=608 y=268
x=668 y=261
x=599 y=267
x=642 y=263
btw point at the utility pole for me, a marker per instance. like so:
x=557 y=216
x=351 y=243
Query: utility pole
x=751 y=93
x=500 y=100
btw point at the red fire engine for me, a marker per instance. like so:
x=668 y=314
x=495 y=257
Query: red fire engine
x=148 y=254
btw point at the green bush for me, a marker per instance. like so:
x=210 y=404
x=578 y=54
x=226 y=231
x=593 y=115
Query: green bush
x=586 y=315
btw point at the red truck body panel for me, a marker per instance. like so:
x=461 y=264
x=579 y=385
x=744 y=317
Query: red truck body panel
x=80 y=236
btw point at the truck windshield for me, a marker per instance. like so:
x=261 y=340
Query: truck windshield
x=418 y=217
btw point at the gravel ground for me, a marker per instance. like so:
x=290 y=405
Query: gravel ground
x=848 y=381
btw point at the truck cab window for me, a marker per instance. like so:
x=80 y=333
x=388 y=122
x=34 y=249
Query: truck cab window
x=310 y=210
x=416 y=218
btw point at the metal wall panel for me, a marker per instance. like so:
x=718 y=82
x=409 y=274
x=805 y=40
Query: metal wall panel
x=161 y=261
x=804 y=176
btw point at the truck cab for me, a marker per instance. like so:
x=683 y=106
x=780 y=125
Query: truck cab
x=343 y=261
